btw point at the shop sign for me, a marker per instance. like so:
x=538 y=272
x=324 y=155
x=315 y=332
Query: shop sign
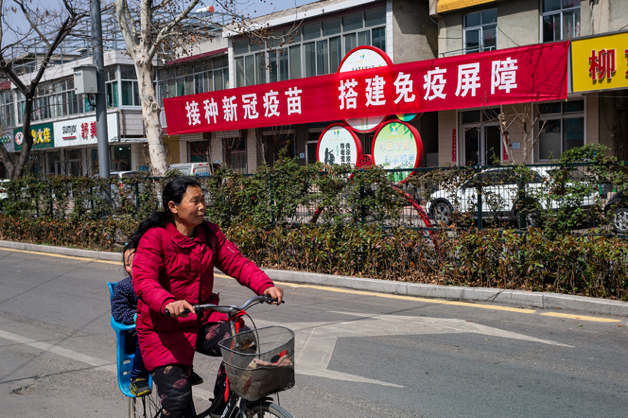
x=43 y=137
x=338 y=145
x=600 y=63
x=449 y=5
x=515 y=75
x=397 y=145
x=84 y=131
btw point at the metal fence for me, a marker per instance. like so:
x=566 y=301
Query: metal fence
x=568 y=197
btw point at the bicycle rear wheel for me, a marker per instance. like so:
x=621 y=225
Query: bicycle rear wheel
x=147 y=406
x=266 y=410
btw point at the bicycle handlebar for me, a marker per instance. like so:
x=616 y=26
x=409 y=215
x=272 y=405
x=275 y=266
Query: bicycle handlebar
x=230 y=309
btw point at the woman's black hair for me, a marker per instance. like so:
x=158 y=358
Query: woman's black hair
x=173 y=192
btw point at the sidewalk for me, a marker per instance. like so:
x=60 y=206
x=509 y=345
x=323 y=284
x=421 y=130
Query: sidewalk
x=517 y=298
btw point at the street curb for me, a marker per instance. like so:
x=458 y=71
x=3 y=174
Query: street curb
x=518 y=298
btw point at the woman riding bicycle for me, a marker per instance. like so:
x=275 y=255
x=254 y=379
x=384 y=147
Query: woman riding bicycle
x=173 y=268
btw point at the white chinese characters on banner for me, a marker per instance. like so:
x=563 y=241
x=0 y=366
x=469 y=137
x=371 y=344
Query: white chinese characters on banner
x=348 y=96
x=468 y=79
x=375 y=91
x=193 y=114
x=249 y=104
x=504 y=75
x=230 y=109
x=294 y=101
x=403 y=88
x=503 y=78
x=211 y=110
x=271 y=104
x=435 y=83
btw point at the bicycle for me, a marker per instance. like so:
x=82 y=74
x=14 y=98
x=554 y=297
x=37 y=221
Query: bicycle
x=258 y=362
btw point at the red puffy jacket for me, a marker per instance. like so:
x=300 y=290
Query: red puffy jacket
x=169 y=266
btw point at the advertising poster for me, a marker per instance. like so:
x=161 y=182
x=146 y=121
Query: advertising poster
x=361 y=58
x=338 y=145
x=397 y=145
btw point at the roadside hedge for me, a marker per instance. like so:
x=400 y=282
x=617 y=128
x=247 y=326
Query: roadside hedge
x=594 y=266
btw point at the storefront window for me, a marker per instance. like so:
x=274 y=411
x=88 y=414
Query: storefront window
x=561 y=127
x=120 y=158
x=199 y=152
x=235 y=153
x=561 y=19
x=73 y=158
x=54 y=163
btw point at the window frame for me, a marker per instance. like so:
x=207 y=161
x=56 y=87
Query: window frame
x=561 y=116
x=325 y=35
x=560 y=12
x=481 y=28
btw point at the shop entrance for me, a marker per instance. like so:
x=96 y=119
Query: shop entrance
x=481 y=137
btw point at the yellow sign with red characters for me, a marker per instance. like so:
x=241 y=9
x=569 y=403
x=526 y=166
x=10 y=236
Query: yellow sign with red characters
x=600 y=63
x=450 y=5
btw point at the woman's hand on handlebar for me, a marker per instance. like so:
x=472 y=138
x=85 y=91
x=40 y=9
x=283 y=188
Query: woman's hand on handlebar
x=275 y=293
x=179 y=307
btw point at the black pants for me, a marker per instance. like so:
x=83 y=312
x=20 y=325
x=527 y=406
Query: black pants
x=173 y=381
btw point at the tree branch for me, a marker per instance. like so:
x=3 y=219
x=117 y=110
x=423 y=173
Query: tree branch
x=34 y=26
x=128 y=31
x=164 y=31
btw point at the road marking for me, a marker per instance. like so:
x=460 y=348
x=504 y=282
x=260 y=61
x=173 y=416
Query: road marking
x=580 y=317
x=92 y=361
x=358 y=292
x=315 y=342
x=73 y=355
x=419 y=299
x=62 y=256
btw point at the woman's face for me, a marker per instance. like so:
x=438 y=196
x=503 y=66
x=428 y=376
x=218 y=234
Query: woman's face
x=191 y=210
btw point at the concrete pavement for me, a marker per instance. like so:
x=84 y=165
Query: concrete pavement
x=518 y=298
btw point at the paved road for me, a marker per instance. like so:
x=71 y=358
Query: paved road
x=359 y=354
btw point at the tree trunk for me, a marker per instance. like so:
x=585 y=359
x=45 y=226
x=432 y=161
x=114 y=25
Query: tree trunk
x=150 y=115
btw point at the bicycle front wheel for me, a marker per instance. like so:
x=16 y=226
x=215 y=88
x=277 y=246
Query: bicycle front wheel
x=267 y=410
x=145 y=406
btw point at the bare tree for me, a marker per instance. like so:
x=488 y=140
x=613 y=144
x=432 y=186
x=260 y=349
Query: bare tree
x=521 y=121
x=162 y=28
x=16 y=38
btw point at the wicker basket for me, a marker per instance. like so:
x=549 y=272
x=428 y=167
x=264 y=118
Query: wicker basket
x=259 y=362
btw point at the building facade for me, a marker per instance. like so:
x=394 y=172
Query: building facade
x=542 y=131
x=311 y=41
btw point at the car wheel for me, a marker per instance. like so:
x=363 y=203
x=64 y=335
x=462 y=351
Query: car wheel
x=442 y=212
x=619 y=220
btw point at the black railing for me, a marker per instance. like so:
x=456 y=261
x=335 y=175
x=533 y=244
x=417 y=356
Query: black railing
x=582 y=197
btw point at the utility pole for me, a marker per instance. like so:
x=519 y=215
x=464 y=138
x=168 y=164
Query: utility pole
x=101 y=99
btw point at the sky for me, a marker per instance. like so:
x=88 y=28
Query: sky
x=259 y=7
x=251 y=7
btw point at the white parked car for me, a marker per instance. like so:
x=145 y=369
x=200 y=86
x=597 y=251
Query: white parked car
x=3 y=190
x=196 y=169
x=502 y=196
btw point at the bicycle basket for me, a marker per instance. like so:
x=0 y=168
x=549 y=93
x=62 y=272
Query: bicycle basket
x=259 y=362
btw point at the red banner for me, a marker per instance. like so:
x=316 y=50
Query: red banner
x=515 y=75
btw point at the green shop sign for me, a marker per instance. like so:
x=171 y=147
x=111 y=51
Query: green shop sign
x=43 y=137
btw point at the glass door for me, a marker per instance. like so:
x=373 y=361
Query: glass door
x=482 y=145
